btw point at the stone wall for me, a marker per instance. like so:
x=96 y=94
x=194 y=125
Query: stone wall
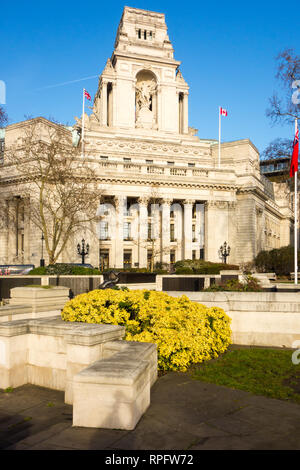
x=258 y=318
x=106 y=379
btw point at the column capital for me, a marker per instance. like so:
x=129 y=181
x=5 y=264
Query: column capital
x=167 y=201
x=143 y=200
x=119 y=198
x=189 y=202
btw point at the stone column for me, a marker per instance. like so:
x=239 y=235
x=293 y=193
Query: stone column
x=11 y=231
x=165 y=230
x=119 y=231
x=185 y=114
x=104 y=104
x=114 y=104
x=159 y=107
x=27 y=257
x=187 y=228
x=179 y=232
x=143 y=232
x=4 y=234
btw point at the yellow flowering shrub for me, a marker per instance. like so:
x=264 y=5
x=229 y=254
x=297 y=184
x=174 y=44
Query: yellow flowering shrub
x=185 y=332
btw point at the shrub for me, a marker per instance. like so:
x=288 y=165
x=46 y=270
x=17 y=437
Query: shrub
x=136 y=270
x=184 y=270
x=201 y=267
x=251 y=284
x=278 y=260
x=185 y=332
x=61 y=269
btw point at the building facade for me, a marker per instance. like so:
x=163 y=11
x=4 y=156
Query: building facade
x=164 y=195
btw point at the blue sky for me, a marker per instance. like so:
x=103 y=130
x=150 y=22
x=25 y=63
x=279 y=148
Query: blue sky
x=227 y=50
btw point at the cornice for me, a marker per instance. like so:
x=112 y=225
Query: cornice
x=144 y=58
x=140 y=180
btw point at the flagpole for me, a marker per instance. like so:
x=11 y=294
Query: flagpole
x=296 y=218
x=82 y=137
x=219 y=137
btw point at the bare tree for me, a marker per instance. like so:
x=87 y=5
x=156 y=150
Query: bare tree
x=3 y=117
x=278 y=148
x=286 y=108
x=63 y=190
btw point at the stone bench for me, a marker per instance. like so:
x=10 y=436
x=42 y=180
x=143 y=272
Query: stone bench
x=115 y=392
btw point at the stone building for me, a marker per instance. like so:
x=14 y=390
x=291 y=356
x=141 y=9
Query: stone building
x=165 y=195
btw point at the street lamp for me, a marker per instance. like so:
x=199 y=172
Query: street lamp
x=224 y=252
x=83 y=251
x=42 y=261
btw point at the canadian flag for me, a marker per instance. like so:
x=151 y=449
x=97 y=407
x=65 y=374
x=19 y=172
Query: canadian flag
x=87 y=95
x=223 y=112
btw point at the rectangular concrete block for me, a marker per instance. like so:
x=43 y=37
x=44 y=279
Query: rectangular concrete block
x=90 y=411
x=47 y=377
x=111 y=395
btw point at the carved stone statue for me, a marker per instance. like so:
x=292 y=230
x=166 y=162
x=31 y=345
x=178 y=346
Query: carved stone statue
x=144 y=92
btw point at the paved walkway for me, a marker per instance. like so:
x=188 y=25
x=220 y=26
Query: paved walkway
x=185 y=414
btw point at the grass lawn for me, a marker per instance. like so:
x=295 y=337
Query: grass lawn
x=261 y=371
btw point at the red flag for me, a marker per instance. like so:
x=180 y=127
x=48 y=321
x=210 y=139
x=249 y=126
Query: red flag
x=87 y=95
x=223 y=112
x=294 y=161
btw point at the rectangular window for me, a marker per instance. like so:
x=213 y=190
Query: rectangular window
x=104 y=230
x=170 y=163
x=172 y=257
x=103 y=157
x=127 y=259
x=194 y=254
x=149 y=231
x=127 y=231
x=191 y=165
x=104 y=259
x=172 y=232
x=194 y=233
x=149 y=162
x=149 y=258
x=127 y=159
x=145 y=34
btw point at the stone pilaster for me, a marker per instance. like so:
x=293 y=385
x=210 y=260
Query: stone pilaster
x=4 y=233
x=187 y=228
x=119 y=231
x=27 y=230
x=185 y=114
x=143 y=232
x=217 y=229
x=114 y=104
x=104 y=104
x=165 y=228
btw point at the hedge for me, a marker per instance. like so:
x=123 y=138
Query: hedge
x=67 y=269
x=201 y=267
